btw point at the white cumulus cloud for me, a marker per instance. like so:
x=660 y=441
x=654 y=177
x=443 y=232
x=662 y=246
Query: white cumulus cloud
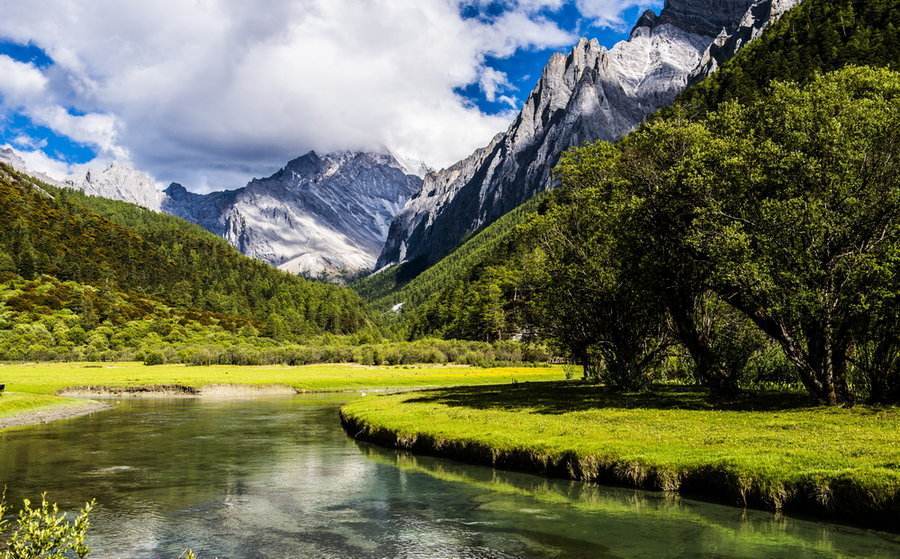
x=212 y=92
x=26 y=89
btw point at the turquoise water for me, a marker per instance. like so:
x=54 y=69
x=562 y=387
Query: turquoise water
x=279 y=478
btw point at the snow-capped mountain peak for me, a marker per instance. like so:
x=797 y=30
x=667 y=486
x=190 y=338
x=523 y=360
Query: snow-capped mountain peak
x=320 y=215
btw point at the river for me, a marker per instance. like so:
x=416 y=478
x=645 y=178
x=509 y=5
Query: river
x=279 y=478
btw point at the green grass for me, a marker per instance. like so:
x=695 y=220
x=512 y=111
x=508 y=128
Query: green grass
x=14 y=403
x=50 y=378
x=768 y=451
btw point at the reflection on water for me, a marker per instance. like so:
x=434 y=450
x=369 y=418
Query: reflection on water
x=278 y=478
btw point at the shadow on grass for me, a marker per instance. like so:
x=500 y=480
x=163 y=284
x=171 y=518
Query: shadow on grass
x=565 y=397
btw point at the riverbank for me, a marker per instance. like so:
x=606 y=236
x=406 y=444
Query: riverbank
x=52 y=378
x=767 y=451
x=38 y=386
x=19 y=409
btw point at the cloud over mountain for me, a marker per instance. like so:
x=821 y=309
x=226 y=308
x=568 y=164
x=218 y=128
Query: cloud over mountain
x=225 y=87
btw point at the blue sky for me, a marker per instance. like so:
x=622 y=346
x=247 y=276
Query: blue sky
x=524 y=67
x=213 y=102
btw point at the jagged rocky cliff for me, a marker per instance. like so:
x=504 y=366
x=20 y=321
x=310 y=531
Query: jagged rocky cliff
x=321 y=216
x=589 y=94
x=760 y=15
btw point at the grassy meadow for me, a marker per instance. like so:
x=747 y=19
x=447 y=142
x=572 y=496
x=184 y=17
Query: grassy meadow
x=30 y=386
x=771 y=451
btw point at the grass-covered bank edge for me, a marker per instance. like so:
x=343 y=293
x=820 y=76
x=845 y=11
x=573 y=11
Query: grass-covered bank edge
x=22 y=409
x=842 y=498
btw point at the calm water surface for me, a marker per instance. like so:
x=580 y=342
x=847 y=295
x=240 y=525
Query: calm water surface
x=278 y=478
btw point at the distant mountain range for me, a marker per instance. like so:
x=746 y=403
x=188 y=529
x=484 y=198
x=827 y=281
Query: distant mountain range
x=320 y=216
x=341 y=214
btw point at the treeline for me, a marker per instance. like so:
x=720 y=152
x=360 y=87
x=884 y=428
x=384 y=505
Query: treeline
x=772 y=222
x=114 y=245
x=425 y=351
x=45 y=319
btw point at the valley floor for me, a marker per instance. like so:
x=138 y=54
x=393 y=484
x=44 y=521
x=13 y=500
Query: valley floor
x=37 y=392
x=769 y=451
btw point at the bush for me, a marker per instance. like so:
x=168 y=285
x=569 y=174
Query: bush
x=154 y=358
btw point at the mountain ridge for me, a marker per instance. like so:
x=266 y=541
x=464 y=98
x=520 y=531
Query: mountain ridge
x=320 y=216
x=591 y=93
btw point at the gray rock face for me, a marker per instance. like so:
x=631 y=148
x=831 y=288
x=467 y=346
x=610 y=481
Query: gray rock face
x=119 y=181
x=321 y=216
x=760 y=15
x=589 y=94
x=704 y=17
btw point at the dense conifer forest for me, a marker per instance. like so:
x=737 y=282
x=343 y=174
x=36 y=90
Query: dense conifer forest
x=116 y=246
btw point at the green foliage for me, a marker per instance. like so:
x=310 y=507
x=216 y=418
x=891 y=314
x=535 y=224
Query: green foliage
x=801 y=228
x=585 y=295
x=45 y=319
x=113 y=245
x=391 y=287
x=45 y=533
x=787 y=209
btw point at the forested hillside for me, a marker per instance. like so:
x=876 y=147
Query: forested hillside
x=392 y=285
x=817 y=36
x=117 y=246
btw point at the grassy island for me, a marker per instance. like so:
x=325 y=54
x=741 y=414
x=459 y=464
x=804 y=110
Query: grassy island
x=769 y=451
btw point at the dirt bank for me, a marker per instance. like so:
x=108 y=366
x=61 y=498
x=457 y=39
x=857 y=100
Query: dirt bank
x=213 y=391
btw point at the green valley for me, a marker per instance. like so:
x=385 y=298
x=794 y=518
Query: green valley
x=664 y=300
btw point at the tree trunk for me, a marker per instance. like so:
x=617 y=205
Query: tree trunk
x=708 y=370
x=589 y=371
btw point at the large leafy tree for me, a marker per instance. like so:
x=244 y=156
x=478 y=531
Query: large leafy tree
x=802 y=231
x=671 y=167
x=586 y=295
